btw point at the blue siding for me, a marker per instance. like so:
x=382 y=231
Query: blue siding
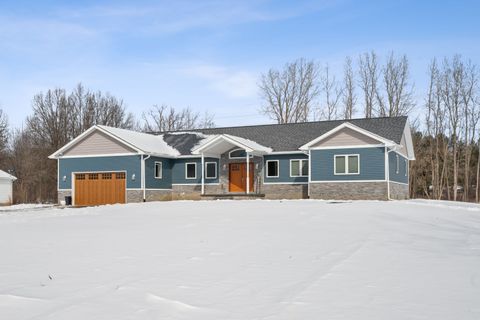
x=178 y=171
x=131 y=164
x=372 y=164
x=392 y=163
x=166 y=181
x=284 y=168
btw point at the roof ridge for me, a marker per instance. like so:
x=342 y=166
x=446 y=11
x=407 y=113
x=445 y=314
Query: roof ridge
x=274 y=124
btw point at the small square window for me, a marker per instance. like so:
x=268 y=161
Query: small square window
x=272 y=169
x=191 y=170
x=158 y=170
x=211 y=170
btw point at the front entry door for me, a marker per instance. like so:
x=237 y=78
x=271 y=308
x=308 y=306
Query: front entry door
x=238 y=177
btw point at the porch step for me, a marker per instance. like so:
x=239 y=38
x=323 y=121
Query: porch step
x=233 y=196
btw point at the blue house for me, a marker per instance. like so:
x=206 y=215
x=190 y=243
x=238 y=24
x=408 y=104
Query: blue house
x=341 y=159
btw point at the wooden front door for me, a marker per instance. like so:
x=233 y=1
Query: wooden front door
x=238 y=177
x=93 y=189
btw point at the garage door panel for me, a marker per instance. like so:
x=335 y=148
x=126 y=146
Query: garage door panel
x=99 y=188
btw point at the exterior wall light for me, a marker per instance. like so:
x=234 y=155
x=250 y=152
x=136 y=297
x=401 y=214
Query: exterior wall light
x=133 y=177
x=64 y=178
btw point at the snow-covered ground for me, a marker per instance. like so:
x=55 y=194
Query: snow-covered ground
x=242 y=260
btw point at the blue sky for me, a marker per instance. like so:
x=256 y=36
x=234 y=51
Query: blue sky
x=208 y=55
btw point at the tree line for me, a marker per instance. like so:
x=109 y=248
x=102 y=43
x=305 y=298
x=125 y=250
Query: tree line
x=445 y=123
x=445 y=120
x=59 y=116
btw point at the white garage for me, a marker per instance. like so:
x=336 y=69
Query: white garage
x=6 y=190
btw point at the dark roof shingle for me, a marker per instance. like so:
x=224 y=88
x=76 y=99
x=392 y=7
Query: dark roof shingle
x=291 y=136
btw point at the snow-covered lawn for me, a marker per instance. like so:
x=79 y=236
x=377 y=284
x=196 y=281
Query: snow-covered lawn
x=242 y=260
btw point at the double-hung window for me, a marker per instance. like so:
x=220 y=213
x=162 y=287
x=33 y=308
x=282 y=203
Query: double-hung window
x=347 y=164
x=210 y=170
x=272 y=169
x=158 y=170
x=299 y=168
x=190 y=170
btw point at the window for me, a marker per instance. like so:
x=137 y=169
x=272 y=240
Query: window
x=347 y=164
x=211 y=170
x=299 y=168
x=406 y=167
x=272 y=169
x=398 y=165
x=120 y=175
x=158 y=170
x=190 y=170
x=238 y=154
x=106 y=176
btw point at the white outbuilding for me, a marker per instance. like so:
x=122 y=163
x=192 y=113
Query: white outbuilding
x=6 y=189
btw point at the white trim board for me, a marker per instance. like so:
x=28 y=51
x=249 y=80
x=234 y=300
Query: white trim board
x=350 y=126
x=350 y=147
x=99 y=155
x=343 y=181
x=306 y=182
x=196 y=184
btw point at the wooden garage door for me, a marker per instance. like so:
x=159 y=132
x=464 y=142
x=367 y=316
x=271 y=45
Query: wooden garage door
x=99 y=188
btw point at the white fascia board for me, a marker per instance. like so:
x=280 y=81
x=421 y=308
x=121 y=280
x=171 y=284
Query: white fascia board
x=120 y=140
x=71 y=143
x=350 y=126
x=55 y=155
x=217 y=140
x=409 y=141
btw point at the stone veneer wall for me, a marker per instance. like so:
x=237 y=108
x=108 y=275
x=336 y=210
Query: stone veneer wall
x=349 y=191
x=224 y=173
x=61 y=194
x=158 y=195
x=134 y=196
x=285 y=191
x=193 y=192
x=399 y=191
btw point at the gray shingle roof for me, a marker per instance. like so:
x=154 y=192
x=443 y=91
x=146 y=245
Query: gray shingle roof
x=289 y=137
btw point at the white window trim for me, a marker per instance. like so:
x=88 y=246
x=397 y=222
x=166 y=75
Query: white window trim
x=155 y=169
x=300 y=168
x=406 y=167
x=278 y=168
x=206 y=165
x=230 y=154
x=186 y=171
x=398 y=165
x=346 y=156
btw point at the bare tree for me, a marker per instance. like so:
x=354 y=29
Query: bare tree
x=332 y=92
x=3 y=132
x=470 y=119
x=398 y=100
x=349 y=98
x=165 y=118
x=289 y=94
x=453 y=77
x=369 y=73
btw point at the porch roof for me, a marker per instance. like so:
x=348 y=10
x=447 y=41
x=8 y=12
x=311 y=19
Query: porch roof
x=218 y=144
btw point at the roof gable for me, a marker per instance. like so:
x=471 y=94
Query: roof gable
x=351 y=134
x=97 y=142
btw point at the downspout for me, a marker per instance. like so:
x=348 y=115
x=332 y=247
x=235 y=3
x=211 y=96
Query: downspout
x=309 y=171
x=387 y=170
x=143 y=177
